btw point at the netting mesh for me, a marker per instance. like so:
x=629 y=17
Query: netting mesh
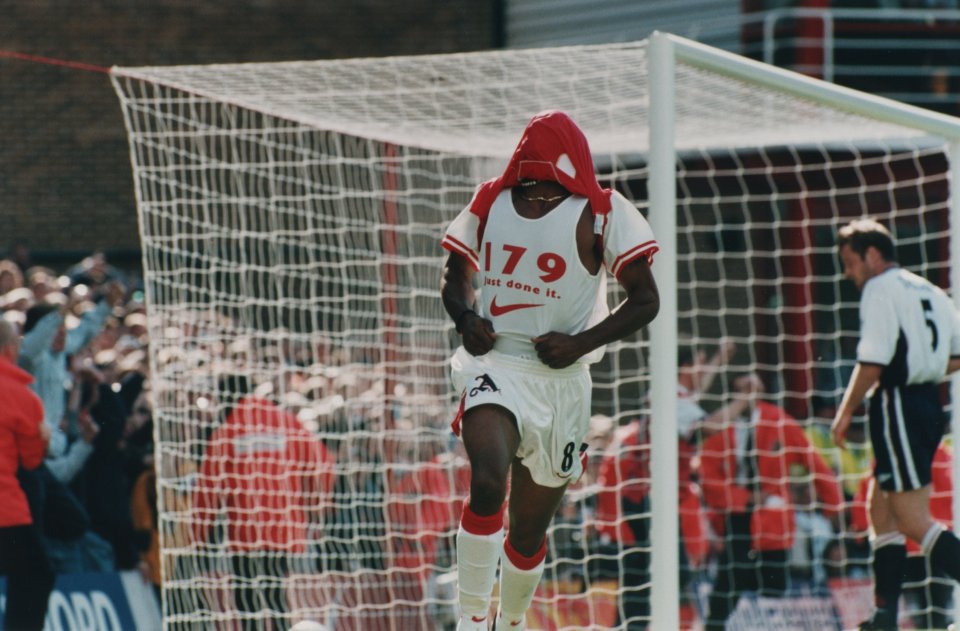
x=290 y=218
x=436 y=101
x=758 y=265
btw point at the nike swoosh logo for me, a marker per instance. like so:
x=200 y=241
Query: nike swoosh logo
x=476 y=619
x=497 y=310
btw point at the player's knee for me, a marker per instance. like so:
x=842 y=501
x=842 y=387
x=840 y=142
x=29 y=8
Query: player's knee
x=914 y=528
x=912 y=525
x=883 y=522
x=488 y=490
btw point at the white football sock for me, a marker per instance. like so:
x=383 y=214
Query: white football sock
x=477 y=558
x=517 y=586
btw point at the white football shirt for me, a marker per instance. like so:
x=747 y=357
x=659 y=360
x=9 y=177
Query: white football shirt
x=531 y=278
x=909 y=326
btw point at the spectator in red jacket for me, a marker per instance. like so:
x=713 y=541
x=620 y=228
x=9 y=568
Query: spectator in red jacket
x=745 y=474
x=272 y=477
x=23 y=442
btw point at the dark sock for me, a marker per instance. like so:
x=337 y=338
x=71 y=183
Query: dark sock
x=889 y=562
x=945 y=554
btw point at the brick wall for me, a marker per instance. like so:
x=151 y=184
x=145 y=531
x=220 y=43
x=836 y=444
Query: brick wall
x=65 y=181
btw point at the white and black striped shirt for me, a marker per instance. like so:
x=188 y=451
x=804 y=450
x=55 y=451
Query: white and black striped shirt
x=909 y=326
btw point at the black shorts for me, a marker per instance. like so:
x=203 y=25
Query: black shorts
x=906 y=426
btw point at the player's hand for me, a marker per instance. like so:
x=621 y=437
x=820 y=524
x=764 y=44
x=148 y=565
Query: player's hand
x=478 y=334
x=841 y=423
x=558 y=350
x=44 y=430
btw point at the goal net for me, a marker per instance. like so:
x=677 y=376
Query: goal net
x=290 y=216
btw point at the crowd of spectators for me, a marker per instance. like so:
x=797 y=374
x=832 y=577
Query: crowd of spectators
x=94 y=497
x=83 y=341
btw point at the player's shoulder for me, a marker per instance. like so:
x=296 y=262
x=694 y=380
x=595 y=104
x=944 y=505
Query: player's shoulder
x=624 y=213
x=886 y=282
x=906 y=276
x=904 y=279
x=619 y=203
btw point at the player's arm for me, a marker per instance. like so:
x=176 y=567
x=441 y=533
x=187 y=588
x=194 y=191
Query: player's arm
x=459 y=299
x=879 y=330
x=39 y=338
x=953 y=365
x=641 y=305
x=711 y=368
x=745 y=390
x=864 y=377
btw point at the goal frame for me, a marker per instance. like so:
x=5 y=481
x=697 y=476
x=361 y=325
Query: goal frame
x=666 y=51
x=667 y=57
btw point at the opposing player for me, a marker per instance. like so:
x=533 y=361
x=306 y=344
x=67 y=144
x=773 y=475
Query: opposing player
x=537 y=237
x=909 y=340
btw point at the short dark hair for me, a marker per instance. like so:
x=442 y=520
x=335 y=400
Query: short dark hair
x=686 y=354
x=861 y=234
x=36 y=313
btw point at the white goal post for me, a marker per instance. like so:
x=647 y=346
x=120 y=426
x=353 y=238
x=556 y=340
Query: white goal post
x=290 y=216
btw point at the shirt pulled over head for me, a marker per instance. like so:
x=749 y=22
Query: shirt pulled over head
x=553 y=148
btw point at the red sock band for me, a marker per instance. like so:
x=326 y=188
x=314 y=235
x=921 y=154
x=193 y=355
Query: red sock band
x=477 y=525
x=521 y=562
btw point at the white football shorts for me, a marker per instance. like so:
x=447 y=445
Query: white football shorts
x=552 y=408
